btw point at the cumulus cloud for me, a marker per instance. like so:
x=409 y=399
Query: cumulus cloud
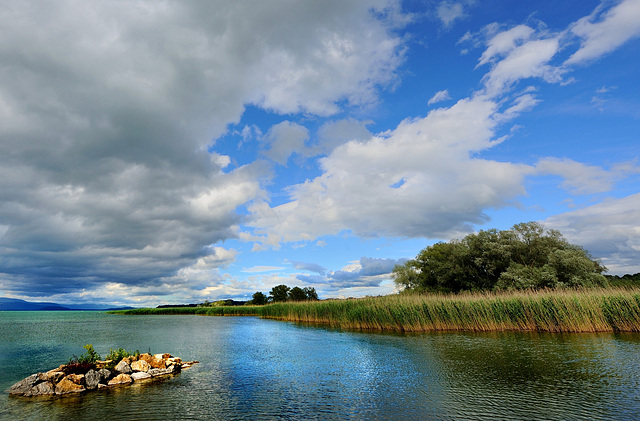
x=605 y=30
x=107 y=112
x=609 y=230
x=359 y=190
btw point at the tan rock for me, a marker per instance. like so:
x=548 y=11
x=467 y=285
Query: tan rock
x=76 y=378
x=140 y=365
x=145 y=357
x=67 y=386
x=174 y=360
x=157 y=362
x=120 y=379
x=52 y=375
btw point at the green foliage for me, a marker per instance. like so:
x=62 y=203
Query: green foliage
x=258 y=299
x=279 y=293
x=297 y=294
x=310 y=293
x=116 y=355
x=526 y=256
x=88 y=358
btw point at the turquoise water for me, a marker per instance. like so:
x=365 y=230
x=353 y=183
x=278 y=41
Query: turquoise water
x=263 y=369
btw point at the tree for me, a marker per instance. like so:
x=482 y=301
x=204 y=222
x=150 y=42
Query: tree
x=258 y=299
x=311 y=293
x=526 y=256
x=279 y=293
x=297 y=294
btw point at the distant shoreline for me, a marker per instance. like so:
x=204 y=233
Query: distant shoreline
x=585 y=310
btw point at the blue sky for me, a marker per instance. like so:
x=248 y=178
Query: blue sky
x=155 y=153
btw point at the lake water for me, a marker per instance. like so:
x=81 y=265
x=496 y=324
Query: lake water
x=262 y=369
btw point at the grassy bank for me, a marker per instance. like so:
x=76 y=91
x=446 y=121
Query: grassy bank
x=600 y=310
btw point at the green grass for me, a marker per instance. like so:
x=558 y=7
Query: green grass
x=589 y=310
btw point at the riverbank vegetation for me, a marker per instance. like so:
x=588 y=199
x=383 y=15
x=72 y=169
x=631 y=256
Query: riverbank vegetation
x=568 y=310
x=527 y=256
x=527 y=278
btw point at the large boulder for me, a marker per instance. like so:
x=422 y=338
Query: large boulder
x=121 y=378
x=123 y=367
x=44 y=388
x=140 y=365
x=67 y=385
x=24 y=385
x=76 y=378
x=53 y=376
x=91 y=379
x=104 y=375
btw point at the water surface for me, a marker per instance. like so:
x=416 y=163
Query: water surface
x=262 y=369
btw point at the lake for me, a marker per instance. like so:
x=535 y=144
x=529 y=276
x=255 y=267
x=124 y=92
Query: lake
x=263 y=369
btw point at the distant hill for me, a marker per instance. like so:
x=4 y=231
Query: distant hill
x=12 y=304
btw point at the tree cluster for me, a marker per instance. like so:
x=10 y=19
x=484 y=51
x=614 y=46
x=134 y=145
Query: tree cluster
x=528 y=256
x=282 y=293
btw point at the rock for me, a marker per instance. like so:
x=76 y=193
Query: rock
x=140 y=365
x=123 y=367
x=76 y=378
x=140 y=375
x=104 y=375
x=91 y=379
x=66 y=385
x=163 y=371
x=44 y=388
x=52 y=375
x=120 y=379
x=24 y=385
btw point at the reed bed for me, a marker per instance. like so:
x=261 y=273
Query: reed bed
x=592 y=310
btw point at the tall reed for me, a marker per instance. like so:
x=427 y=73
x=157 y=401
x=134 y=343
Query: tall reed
x=588 y=310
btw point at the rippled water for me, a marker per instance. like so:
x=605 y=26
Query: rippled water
x=262 y=369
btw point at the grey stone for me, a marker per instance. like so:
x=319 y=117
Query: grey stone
x=24 y=385
x=140 y=375
x=123 y=367
x=91 y=379
x=105 y=375
x=44 y=388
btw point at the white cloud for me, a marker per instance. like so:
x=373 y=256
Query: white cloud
x=579 y=178
x=504 y=42
x=439 y=96
x=358 y=192
x=448 y=11
x=609 y=230
x=602 y=32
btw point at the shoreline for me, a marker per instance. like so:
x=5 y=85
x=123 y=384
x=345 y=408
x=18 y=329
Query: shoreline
x=558 y=311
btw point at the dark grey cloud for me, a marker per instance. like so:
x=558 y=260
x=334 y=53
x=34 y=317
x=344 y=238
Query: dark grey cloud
x=107 y=112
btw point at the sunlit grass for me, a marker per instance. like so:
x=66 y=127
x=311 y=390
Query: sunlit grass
x=589 y=310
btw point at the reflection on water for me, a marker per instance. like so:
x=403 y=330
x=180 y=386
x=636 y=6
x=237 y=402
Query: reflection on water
x=261 y=369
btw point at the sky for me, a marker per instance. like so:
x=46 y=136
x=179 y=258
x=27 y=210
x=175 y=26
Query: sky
x=175 y=152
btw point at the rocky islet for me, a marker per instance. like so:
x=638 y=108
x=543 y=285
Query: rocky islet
x=72 y=379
